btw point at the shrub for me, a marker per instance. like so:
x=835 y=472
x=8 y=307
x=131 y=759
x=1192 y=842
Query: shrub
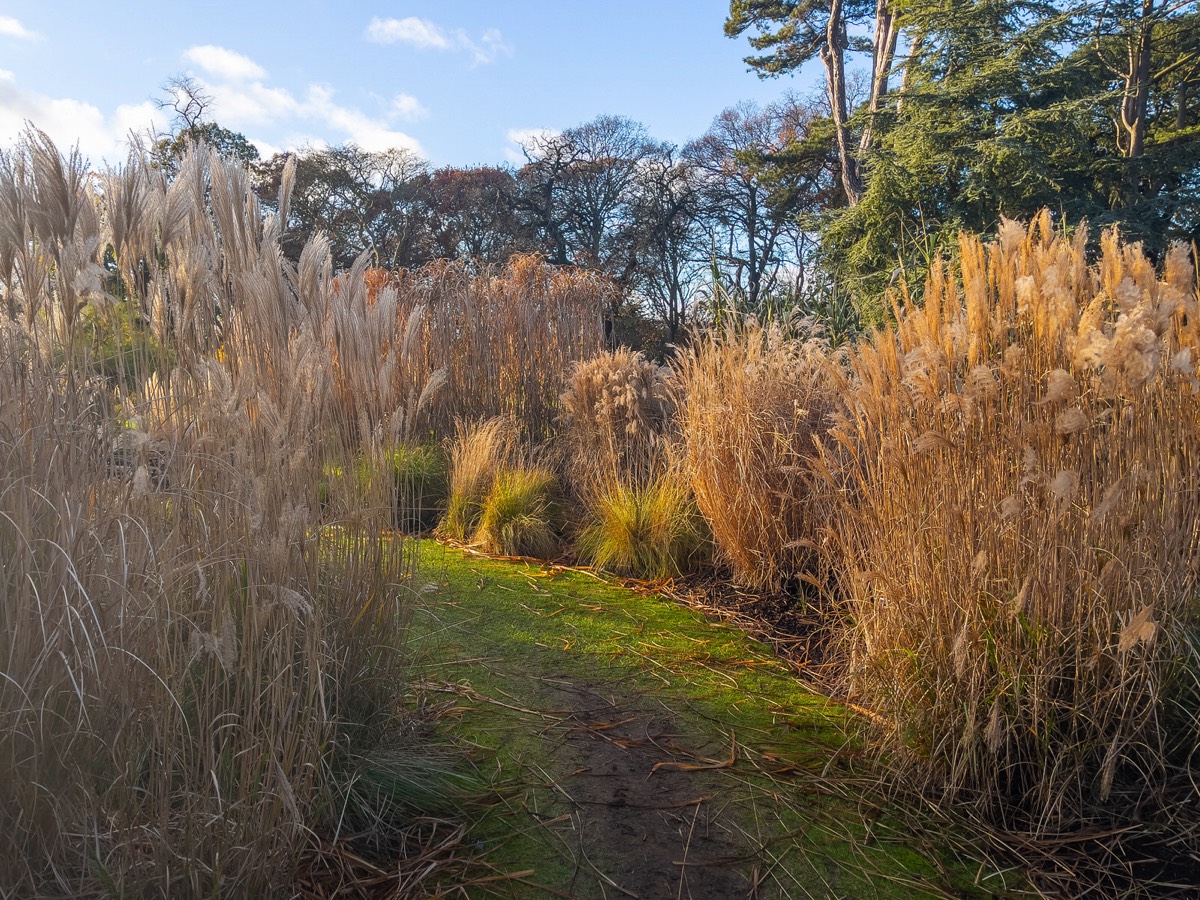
x=519 y=516
x=753 y=402
x=652 y=532
x=1015 y=489
x=117 y=344
x=411 y=479
x=421 y=477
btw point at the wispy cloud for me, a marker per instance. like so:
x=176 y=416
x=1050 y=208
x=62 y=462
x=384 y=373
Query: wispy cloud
x=10 y=27
x=244 y=100
x=426 y=35
x=100 y=136
x=225 y=64
x=408 y=108
x=419 y=33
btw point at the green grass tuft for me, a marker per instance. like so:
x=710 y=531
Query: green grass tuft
x=653 y=532
x=520 y=515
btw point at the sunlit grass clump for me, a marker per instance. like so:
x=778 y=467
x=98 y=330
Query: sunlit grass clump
x=1015 y=489
x=478 y=453
x=652 y=532
x=520 y=515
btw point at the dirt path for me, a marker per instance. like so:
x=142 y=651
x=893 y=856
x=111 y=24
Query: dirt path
x=636 y=820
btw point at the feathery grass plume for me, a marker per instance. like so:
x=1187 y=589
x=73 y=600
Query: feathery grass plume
x=520 y=514
x=192 y=648
x=653 y=531
x=1014 y=483
x=753 y=402
x=477 y=455
x=616 y=411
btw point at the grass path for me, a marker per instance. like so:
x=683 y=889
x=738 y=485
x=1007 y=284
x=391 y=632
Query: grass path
x=639 y=750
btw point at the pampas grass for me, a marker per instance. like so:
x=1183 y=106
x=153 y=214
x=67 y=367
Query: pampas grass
x=754 y=401
x=193 y=650
x=617 y=414
x=504 y=339
x=1014 y=482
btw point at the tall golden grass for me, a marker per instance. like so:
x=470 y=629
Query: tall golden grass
x=1014 y=490
x=754 y=401
x=196 y=664
x=505 y=338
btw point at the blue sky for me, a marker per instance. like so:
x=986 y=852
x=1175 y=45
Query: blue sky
x=457 y=81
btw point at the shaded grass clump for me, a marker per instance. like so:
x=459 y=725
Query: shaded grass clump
x=520 y=516
x=416 y=477
x=477 y=455
x=652 y=532
x=1014 y=481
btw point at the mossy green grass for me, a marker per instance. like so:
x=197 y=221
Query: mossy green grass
x=501 y=644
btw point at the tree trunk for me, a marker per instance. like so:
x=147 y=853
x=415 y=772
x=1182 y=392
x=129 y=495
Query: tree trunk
x=914 y=53
x=1136 y=96
x=887 y=31
x=833 y=56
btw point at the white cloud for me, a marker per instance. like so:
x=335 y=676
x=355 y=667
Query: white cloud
x=408 y=108
x=490 y=45
x=418 y=32
x=101 y=138
x=522 y=140
x=370 y=134
x=10 y=27
x=226 y=64
x=426 y=35
x=243 y=101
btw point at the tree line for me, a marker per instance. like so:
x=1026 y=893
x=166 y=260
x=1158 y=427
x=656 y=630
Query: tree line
x=935 y=116
x=948 y=114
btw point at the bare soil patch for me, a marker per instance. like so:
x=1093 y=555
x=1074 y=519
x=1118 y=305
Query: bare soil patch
x=642 y=818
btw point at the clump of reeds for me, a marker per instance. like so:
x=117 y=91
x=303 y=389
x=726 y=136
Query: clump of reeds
x=505 y=338
x=754 y=401
x=1015 y=508
x=195 y=661
x=617 y=412
x=420 y=473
